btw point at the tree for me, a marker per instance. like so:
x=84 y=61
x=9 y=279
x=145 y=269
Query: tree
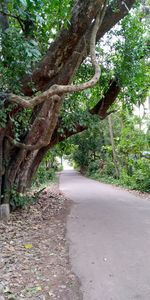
x=35 y=77
x=113 y=146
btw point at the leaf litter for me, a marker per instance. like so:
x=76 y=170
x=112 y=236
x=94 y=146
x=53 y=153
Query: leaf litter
x=34 y=260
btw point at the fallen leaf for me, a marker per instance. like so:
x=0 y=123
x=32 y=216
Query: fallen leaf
x=28 y=246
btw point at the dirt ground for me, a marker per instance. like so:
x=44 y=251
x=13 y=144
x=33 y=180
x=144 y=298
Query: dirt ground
x=34 y=261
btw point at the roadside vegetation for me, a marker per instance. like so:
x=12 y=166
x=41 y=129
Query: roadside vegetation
x=46 y=175
x=119 y=154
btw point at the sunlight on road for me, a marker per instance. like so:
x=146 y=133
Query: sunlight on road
x=66 y=165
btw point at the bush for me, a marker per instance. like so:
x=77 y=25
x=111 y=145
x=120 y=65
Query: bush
x=109 y=168
x=93 y=167
x=141 y=176
x=19 y=200
x=43 y=176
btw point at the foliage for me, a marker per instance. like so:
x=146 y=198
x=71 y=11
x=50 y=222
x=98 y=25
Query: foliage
x=21 y=123
x=123 y=53
x=33 y=25
x=19 y=200
x=43 y=176
x=19 y=56
x=126 y=56
x=93 y=152
x=87 y=146
x=4 y=115
x=47 y=169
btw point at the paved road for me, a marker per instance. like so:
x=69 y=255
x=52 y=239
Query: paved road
x=109 y=236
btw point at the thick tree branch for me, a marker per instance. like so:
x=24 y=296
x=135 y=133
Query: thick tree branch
x=105 y=103
x=30 y=102
x=61 y=60
x=114 y=14
x=51 y=94
x=111 y=18
x=27 y=147
x=100 y=109
x=82 y=15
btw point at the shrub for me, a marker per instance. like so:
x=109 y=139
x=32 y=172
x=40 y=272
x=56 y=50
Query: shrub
x=19 y=200
x=141 y=176
x=43 y=176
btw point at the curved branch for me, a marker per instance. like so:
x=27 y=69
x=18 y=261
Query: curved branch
x=61 y=89
x=67 y=52
x=20 y=145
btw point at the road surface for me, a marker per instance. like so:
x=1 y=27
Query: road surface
x=109 y=236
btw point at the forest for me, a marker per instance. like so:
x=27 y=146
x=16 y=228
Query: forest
x=74 y=82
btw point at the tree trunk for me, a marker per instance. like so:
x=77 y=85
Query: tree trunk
x=113 y=147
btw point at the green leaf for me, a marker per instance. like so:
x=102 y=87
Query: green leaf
x=24 y=3
x=28 y=246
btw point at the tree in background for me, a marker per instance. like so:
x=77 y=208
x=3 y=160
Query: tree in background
x=94 y=151
x=44 y=45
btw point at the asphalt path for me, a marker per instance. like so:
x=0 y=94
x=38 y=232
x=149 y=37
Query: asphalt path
x=108 y=231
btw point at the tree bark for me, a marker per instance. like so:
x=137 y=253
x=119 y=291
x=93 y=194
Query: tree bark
x=114 y=154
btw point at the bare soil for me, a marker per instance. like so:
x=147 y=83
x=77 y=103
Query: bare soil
x=34 y=260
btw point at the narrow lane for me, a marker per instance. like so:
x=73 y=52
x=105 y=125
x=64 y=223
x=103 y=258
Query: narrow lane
x=109 y=236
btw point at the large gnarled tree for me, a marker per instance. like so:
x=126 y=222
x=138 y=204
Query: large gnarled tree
x=41 y=92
